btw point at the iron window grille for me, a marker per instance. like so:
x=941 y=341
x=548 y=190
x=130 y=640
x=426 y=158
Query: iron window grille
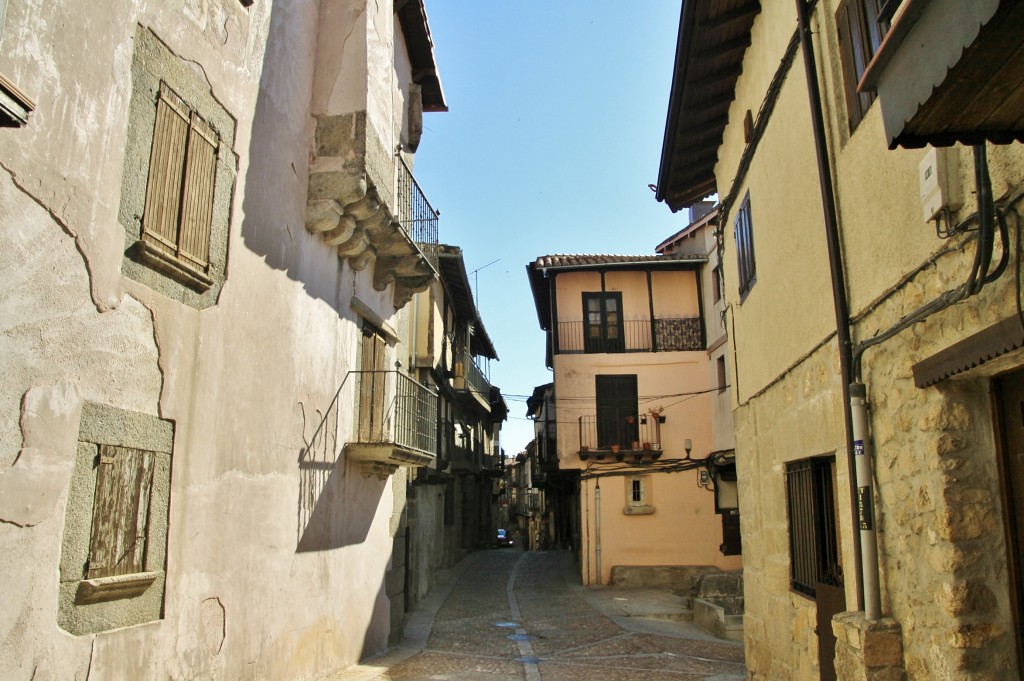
x=813 y=540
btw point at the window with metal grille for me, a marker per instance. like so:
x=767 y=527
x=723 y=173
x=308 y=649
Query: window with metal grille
x=813 y=542
x=861 y=27
x=176 y=223
x=120 y=512
x=639 y=498
x=744 y=236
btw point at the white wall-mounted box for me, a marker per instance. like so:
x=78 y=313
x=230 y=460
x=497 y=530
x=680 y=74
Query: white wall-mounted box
x=938 y=176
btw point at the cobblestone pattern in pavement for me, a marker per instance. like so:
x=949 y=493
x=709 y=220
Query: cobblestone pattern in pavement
x=514 y=615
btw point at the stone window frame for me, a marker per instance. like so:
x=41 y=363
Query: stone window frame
x=639 y=493
x=89 y=604
x=156 y=67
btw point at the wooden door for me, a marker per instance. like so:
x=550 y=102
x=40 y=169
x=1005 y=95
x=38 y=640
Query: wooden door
x=1009 y=396
x=616 y=408
x=373 y=386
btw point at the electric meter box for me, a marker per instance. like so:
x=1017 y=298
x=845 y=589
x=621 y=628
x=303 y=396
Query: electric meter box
x=938 y=175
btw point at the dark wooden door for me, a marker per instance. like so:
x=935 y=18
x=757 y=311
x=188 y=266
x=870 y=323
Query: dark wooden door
x=1009 y=394
x=616 y=410
x=830 y=600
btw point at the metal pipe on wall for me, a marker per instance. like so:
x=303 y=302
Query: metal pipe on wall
x=838 y=279
x=597 y=529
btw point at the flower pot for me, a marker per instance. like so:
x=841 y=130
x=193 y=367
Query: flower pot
x=615 y=449
x=647 y=446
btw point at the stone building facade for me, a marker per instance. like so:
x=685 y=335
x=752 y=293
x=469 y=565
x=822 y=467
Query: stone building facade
x=831 y=228
x=205 y=255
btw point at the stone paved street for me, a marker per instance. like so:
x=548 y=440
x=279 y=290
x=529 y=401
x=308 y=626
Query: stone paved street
x=506 y=614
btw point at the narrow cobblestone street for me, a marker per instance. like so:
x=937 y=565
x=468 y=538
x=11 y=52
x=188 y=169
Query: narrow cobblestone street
x=507 y=614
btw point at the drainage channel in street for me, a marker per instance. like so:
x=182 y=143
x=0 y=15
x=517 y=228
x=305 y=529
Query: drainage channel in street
x=521 y=637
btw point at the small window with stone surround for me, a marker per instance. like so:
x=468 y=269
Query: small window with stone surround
x=639 y=495
x=115 y=529
x=178 y=179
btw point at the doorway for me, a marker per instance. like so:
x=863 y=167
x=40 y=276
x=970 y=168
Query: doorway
x=1008 y=391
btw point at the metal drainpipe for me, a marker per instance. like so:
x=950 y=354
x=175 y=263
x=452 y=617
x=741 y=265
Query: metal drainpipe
x=597 y=528
x=842 y=313
x=865 y=501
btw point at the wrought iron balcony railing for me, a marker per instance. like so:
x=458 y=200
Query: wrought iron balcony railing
x=417 y=217
x=671 y=334
x=632 y=433
x=395 y=410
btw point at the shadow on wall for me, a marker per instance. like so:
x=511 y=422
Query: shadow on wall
x=282 y=129
x=336 y=505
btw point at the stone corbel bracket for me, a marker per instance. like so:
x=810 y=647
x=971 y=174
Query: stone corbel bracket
x=351 y=205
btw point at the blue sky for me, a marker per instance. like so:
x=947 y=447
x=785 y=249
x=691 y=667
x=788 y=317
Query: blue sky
x=557 y=111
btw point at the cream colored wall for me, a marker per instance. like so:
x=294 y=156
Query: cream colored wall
x=938 y=506
x=341 y=67
x=683 y=530
x=247 y=382
x=675 y=293
x=789 y=308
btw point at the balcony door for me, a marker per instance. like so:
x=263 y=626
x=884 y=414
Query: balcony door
x=602 y=320
x=372 y=385
x=616 y=410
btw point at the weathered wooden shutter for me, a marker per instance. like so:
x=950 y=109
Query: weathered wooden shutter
x=197 y=194
x=120 y=511
x=166 y=168
x=373 y=387
x=182 y=174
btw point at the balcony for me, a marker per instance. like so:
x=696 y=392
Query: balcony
x=469 y=379
x=634 y=437
x=365 y=202
x=396 y=422
x=671 y=334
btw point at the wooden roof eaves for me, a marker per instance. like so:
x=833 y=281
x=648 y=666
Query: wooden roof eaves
x=683 y=89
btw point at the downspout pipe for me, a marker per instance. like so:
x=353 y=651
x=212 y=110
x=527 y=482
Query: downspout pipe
x=866 y=561
x=597 y=529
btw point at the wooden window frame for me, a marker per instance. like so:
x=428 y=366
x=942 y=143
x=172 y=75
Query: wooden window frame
x=610 y=325
x=813 y=526
x=743 y=233
x=860 y=30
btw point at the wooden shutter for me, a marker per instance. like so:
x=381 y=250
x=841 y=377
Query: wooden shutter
x=182 y=174
x=859 y=37
x=197 y=194
x=373 y=386
x=120 y=511
x=731 y=541
x=166 y=167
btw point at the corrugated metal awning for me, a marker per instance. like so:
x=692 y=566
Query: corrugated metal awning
x=972 y=351
x=951 y=71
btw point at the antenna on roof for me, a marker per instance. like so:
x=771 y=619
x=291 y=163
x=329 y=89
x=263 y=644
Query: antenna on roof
x=476 y=282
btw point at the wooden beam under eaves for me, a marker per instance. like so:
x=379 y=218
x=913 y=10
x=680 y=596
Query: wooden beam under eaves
x=715 y=125
x=713 y=104
x=728 y=73
x=721 y=49
x=742 y=13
